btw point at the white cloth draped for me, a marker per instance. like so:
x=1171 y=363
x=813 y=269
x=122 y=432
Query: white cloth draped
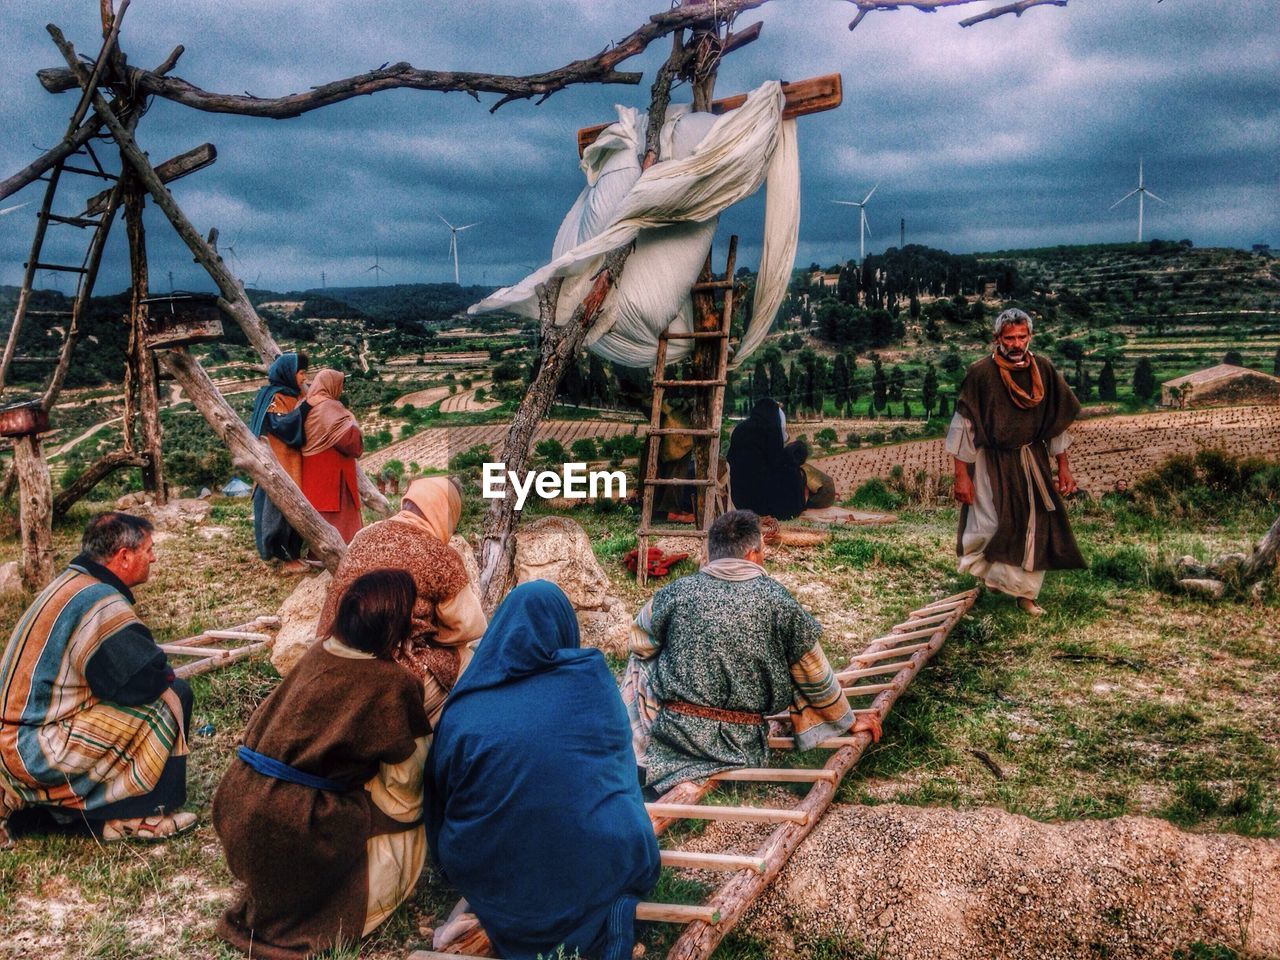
x=671 y=211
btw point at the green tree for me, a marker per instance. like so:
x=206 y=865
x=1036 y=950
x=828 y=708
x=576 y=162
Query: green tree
x=879 y=386
x=1234 y=358
x=584 y=448
x=897 y=381
x=826 y=438
x=929 y=389
x=1144 y=380
x=1107 y=382
x=550 y=450
x=1275 y=363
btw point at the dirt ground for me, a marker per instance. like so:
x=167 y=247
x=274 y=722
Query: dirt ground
x=920 y=883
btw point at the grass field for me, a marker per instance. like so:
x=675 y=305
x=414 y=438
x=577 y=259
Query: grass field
x=1124 y=699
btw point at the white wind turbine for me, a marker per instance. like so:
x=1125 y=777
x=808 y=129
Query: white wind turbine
x=863 y=226
x=453 y=241
x=1142 y=192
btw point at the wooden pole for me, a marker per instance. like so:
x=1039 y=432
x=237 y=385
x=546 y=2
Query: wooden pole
x=35 y=519
x=141 y=360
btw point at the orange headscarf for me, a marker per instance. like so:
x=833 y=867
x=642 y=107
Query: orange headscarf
x=328 y=420
x=441 y=505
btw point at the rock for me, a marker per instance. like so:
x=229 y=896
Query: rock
x=1229 y=563
x=557 y=549
x=463 y=549
x=11 y=577
x=298 y=616
x=1258 y=592
x=176 y=514
x=130 y=502
x=1189 y=566
x=1209 y=589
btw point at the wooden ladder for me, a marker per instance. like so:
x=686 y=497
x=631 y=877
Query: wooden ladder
x=894 y=659
x=709 y=433
x=99 y=219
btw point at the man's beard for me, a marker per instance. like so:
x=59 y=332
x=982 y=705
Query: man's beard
x=1013 y=355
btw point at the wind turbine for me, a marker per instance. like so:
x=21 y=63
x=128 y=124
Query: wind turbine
x=1142 y=192
x=377 y=269
x=863 y=227
x=453 y=241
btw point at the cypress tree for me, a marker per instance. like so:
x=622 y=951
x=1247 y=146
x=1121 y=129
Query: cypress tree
x=1144 y=380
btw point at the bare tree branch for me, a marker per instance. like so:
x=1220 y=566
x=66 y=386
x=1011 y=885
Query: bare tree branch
x=933 y=6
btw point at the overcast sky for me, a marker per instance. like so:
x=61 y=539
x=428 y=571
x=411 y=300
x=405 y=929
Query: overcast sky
x=1013 y=133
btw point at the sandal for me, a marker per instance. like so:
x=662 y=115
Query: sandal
x=150 y=829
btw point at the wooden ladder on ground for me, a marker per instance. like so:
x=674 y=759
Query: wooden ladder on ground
x=708 y=433
x=891 y=661
x=97 y=216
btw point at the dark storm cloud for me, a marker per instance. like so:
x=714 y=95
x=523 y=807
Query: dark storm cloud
x=1012 y=133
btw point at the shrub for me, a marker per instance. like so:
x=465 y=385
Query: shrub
x=826 y=438
x=874 y=494
x=470 y=459
x=551 y=450
x=584 y=448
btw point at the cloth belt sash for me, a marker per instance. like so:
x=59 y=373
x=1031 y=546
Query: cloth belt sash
x=744 y=717
x=1037 y=483
x=270 y=767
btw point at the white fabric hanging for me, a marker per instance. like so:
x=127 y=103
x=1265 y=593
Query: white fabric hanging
x=671 y=211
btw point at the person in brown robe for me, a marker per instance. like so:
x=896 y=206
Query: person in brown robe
x=1012 y=414
x=447 y=616
x=320 y=813
x=333 y=444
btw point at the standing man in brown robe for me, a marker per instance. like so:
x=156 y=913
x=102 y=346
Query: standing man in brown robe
x=1012 y=414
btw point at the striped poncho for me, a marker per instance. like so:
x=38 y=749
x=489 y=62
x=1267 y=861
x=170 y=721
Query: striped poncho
x=62 y=741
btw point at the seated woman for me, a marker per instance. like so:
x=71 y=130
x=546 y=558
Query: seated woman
x=320 y=815
x=333 y=444
x=769 y=476
x=534 y=810
x=447 y=615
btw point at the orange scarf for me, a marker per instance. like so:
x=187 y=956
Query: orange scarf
x=1021 y=399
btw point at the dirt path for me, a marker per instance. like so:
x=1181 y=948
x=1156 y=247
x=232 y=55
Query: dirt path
x=919 y=883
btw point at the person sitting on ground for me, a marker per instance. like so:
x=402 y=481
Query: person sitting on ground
x=714 y=654
x=533 y=809
x=92 y=719
x=333 y=445
x=769 y=476
x=278 y=416
x=320 y=813
x=447 y=615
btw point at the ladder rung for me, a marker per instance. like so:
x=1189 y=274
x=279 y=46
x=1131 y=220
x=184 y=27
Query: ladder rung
x=49 y=313
x=58 y=266
x=831 y=743
x=777 y=775
x=689 y=383
x=90 y=173
x=74 y=221
x=683 y=432
x=700 y=811
x=694 y=335
x=692 y=860
x=868 y=690
x=714 y=285
x=680 y=482
x=846 y=675
x=675 y=912
x=694 y=533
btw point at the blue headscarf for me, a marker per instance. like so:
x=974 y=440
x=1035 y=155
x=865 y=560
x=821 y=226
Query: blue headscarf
x=534 y=811
x=282 y=377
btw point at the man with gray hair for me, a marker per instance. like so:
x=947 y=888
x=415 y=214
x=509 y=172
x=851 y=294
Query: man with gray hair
x=1012 y=413
x=714 y=654
x=92 y=721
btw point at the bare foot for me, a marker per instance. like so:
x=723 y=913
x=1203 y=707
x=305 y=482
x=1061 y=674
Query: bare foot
x=293 y=568
x=1030 y=607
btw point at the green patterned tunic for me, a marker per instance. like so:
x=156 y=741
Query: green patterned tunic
x=735 y=645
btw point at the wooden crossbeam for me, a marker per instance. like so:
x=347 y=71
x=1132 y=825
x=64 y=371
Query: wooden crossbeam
x=697 y=811
x=913 y=622
x=676 y=912
x=891 y=652
x=172 y=169
x=908 y=635
x=831 y=743
x=692 y=860
x=813 y=95
x=868 y=690
x=844 y=676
